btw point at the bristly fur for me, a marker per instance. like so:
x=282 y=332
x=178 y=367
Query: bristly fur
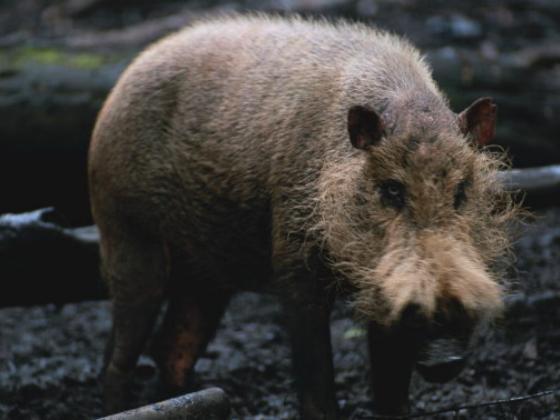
x=252 y=110
x=393 y=261
x=227 y=143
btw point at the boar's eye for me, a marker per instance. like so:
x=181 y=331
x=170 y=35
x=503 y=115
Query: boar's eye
x=392 y=193
x=460 y=194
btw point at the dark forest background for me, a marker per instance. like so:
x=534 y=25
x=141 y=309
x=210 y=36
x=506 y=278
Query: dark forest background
x=58 y=60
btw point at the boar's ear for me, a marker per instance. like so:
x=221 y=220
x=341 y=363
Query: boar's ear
x=479 y=121
x=365 y=127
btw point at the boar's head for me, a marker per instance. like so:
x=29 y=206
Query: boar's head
x=416 y=221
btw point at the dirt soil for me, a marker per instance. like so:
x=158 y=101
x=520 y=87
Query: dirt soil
x=50 y=356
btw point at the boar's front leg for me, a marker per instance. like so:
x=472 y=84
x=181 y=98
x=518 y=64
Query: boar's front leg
x=392 y=361
x=308 y=324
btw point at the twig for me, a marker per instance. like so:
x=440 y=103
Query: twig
x=509 y=401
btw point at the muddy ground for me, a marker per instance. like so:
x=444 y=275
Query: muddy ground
x=50 y=356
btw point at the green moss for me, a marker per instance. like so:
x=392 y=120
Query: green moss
x=87 y=60
x=52 y=56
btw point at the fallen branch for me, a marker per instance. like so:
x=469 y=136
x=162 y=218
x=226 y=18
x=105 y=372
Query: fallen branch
x=132 y=37
x=211 y=404
x=538 y=187
x=531 y=180
x=47 y=263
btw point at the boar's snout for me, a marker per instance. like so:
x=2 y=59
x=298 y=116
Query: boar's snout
x=442 y=342
x=413 y=318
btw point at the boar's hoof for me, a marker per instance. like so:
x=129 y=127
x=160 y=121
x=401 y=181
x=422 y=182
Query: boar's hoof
x=442 y=359
x=116 y=393
x=441 y=370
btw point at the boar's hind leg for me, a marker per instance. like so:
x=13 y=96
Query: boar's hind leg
x=308 y=324
x=135 y=269
x=190 y=322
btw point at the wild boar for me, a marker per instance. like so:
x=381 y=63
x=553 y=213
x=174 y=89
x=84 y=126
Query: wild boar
x=305 y=159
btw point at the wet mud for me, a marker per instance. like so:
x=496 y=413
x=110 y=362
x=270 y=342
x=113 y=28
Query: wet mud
x=50 y=356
